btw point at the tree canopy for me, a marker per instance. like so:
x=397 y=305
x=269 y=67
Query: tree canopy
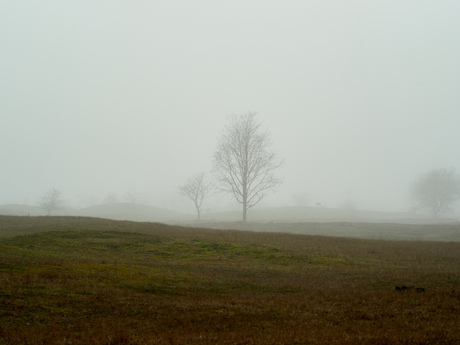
x=243 y=164
x=197 y=188
x=435 y=191
x=51 y=201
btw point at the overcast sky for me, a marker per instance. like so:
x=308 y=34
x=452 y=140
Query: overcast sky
x=101 y=97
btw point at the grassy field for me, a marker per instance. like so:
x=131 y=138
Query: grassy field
x=449 y=232
x=72 y=280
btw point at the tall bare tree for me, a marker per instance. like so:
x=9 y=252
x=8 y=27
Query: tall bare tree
x=51 y=201
x=197 y=188
x=243 y=164
x=435 y=191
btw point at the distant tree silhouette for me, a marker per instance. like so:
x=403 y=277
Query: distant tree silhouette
x=111 y=198
x=197 y=188
x=435 y=191
x=133 y=197
x=51 y=201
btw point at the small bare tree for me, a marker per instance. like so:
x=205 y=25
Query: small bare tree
x=197 y=188
x=435 y=191
x=133 y=197
x=51 y=201
x=243 y=163
x=111 y=198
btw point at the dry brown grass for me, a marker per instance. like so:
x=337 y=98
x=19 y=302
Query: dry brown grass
x=93 y=281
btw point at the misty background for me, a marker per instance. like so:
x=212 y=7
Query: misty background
x=104 y=97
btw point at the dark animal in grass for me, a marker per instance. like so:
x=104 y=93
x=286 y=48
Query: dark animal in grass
x=405 y=288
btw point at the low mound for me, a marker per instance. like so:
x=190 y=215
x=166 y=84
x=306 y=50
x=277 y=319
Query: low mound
x=129 y=211
x=118 y=211
x=21 y=210
x=323 y=214
x=146 y=213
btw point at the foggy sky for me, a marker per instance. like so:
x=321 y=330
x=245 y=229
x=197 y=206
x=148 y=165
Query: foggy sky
x=101 y=97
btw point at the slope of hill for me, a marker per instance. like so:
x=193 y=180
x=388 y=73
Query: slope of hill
x=337 y=222
x=21 y=210
x=134 y=212
x=118 y=211
x=319 y=214
x=145 y=213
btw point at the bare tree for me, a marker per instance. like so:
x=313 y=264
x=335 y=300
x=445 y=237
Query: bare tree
x=111 y=198
x=133 y=197
x=51 y=201
x=435 y=191
x=197 y=188
x=243 y=165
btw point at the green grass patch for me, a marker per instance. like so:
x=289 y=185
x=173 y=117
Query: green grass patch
x=134 y=248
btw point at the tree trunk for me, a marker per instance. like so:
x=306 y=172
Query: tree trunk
x=245 y=207
x=245 y=195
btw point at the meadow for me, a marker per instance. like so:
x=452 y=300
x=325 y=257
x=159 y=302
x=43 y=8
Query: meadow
x=76 y=280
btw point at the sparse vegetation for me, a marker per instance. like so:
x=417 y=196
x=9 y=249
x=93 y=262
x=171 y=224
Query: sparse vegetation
x=75 y=280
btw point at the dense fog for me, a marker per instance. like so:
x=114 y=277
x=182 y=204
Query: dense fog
x=117 y=97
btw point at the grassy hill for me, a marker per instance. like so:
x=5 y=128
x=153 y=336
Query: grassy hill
x=146 y=213
x=383 y=231
x=129 y=211
x=322 y=214
x=94 y=281
x=118 y=211
x=21 y=210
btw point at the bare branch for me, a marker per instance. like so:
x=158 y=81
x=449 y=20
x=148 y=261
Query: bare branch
x=133 y=197
x=197 y=188
x=51 y=201
x=243 y=164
